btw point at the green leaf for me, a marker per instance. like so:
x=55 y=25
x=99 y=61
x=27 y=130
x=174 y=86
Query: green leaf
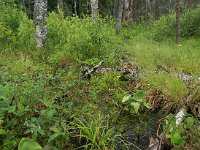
x=11 y=109
x=126 y=98
x=190 y=122
x=177 y=139
x=136 y=106
x=54 y=129
x=54 y=136
x=28 y=144
x=138 y=96
x=2 y=132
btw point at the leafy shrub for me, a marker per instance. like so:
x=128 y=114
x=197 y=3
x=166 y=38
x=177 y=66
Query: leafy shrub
x=84 y=38
x=25 y=33
x=190 y=23
x=165 y=27
x=135 y=102
x=178 y=135
x=9 y=22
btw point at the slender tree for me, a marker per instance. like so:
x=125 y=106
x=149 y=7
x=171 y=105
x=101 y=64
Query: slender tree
x=60 y=5
x=177 y=21
x=40 y=15
x=94 y=8
x=75 y=8
x=131 y=9
x=119 y=15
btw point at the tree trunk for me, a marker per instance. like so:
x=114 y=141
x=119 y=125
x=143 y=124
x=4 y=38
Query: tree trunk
x=131 y=9
x=94 y=8
x=40 y=15
x=126 y=11
x=115 y=10
x=60 y=5
x=75 y=8
x=119 y=16
x=177 y=21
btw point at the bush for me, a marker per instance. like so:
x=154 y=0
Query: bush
x=165 y=27
x=16 y=30
x=84 y=38
x=190 y=23
x=26 y=33
x=9 y=22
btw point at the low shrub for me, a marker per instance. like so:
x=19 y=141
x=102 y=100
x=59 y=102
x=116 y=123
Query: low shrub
x=165 y=27
x=83 y=38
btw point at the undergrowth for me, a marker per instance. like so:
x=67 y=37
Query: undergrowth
x=43 y=98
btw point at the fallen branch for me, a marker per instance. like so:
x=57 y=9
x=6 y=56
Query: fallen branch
x=86 y=74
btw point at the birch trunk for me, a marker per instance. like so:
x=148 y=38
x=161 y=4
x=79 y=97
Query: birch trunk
x=40 y=15
x=94 y=8
x=60 y=5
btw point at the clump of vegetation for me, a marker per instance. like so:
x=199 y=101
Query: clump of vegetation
x=83 y=38
x=165 y=27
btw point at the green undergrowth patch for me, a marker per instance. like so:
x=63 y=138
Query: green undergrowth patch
x=162 y=63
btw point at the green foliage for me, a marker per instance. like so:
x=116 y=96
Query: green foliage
x=165 y=27
x=178 y=135
x=28 y=144
x=16 y=30
x=42 y=96
x=135 y=102
x=9 y=23
x=97 y=133
x=190 y=23
x=170 y=85
x=26 y=33
x=83 y=38
x=107 y=81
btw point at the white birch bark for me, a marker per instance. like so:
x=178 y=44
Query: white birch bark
x=40 y=15
x=60 y=5
x=94 y=8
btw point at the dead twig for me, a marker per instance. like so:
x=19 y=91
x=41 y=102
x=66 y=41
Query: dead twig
x=86 y=74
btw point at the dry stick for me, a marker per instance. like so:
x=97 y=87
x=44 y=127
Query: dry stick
x=89 y=71
x=186 y=100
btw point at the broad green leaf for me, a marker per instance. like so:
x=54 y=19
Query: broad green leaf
x=177 y=139
x=28 y=144
x=126 y=98
x=2 y=132
x=136 y=106
x=138 y=96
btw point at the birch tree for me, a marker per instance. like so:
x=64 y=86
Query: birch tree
x=60 y=5
x=94 y=8
x=40 y=15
